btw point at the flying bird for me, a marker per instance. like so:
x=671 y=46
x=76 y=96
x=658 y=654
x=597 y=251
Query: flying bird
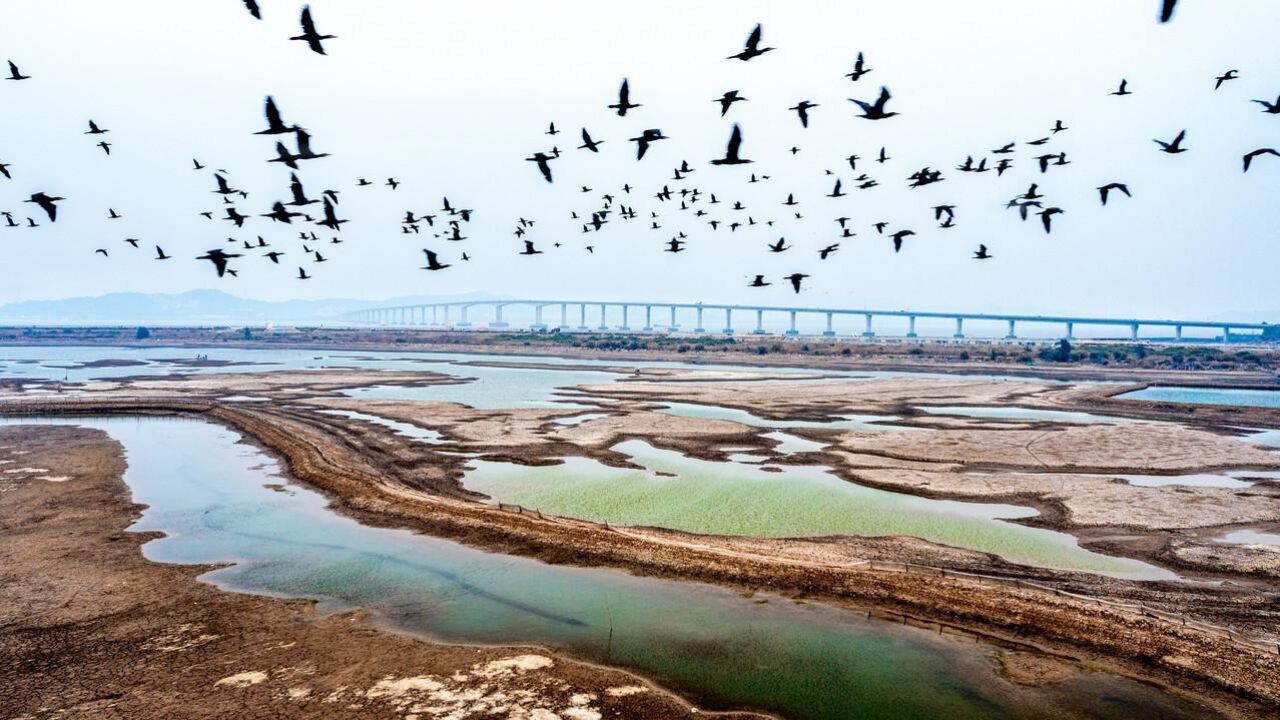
x=732 y=154
x=15 y=74
x=543 y=161
x=826 y=251
x=898 y=237
x=802 y=109
x=1270 y=108
x=982 y=253
x=1175 y=147
x=758 y=282
x=728 y=99
x=1167 y=8
x=219 y=259
x=1225 y=77
x=875 y=111
x=252 y=7
x=94 y=129
x=1105 y=190
x=624 y=99
x=309 y=34
x=106 y=147
x=795 y=279
x=858 y=69
x=752 y=48
x=645 y=139
x=1124 y=89
x=588 y=143
x=529 y=249
x=275 y=124
x=160 y=254
x=1046 y=217
x=1248 y=159
x=48 y=203
x=302 y=274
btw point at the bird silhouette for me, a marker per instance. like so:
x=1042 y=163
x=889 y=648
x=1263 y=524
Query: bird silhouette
x=1226 y=77
x=674 y=246
x=728 y=99
x=1105 y=190
x=645 y=139
x=1046 y=217
x=1167 y=8
x=274 y=256
x=1270 y=108
x=15 y=74
x=1175 y=147
x=529 y=249
x=309 y=34
x=330 y=220
x=95 y=130
x=752 y=47
x=826 y=251
x=252 y=7
x=219 y=259
x=304 y=146
x=302 y=274
x=433 y=261
x=624 y=99
x=802 y=109
x=106 y=147
x=1124 y=89
x=588 y=143
x=112 y=214
x=160 y=254
x=299 y=194
x=795 y=279
x=859 y=69
x=779 y=246
x=544 y=164
x=1248 y=159
x=732 y=153
x=759 y=282
x=48 y=203
x=103 y=252
x=898 y=237
x=275 y=124
x=876 y=110
x=132 y=241
x=982 y=253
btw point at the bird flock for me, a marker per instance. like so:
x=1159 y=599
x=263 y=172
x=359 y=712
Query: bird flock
x=710 y=202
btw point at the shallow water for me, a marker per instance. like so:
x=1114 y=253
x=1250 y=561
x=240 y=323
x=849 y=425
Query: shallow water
x=1250 y=537
x=675 y=491
x=715 y=412
x=1230 y=479
x=809 y=662
x=1207 y=396
x=403 y=429
x=1021 y=413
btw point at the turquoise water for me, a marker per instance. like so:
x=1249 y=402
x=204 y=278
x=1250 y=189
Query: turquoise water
x=675 y=491
x=1207 y=396
x=808 y=662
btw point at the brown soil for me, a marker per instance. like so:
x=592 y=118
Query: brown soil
x=91 y=629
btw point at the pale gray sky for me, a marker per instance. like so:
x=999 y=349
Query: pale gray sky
x=450 y=97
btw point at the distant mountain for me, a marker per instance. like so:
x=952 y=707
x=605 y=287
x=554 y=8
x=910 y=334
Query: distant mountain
x=197 y=307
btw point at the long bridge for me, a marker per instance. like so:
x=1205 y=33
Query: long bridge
x=458 y=314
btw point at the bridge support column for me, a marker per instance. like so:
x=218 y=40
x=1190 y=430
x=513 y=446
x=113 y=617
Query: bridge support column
x=625 y=325
x=673 y=327
x=537 y=319
x=648 y=318
x=1133 y=331
x=1177 y=332
x=829 y=332
x=911 y=327
x=497 y=318
x=728 y=321
x=603 y=316
x=1013 y=331
x=1071 y=331
x=959 y=328
x=759 y=323
x=1226 y=334
x=564 y=316
x=869 y=332
x=582 y=317
x=446 y=315
x=792 y=329
x=699 y=329
x=435 y=314
x=465 y=322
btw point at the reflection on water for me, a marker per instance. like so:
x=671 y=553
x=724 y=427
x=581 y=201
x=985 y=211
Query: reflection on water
x=1207 y=396
x=809 y=662
x=674 y=491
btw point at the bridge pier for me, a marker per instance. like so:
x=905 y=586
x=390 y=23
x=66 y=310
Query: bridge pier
x=1133 y=331
x=792 y=330
x=465 y=323
x=759 y=323
x=959 y=328
x=829 y=332
x=699 y=329
x=603 y=317
x=537 y=319
x=728 y=321
x=1013 y=332
x=648 y=318
x=673 y=327
x=497 y=317
x=1071 y=331
x=871 y=333
x=1226 y=334
x=625 y=326
x=1177 y=332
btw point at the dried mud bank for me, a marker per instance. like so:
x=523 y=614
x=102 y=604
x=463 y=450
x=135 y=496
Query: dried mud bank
x=363 y=473
x=91 y=629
